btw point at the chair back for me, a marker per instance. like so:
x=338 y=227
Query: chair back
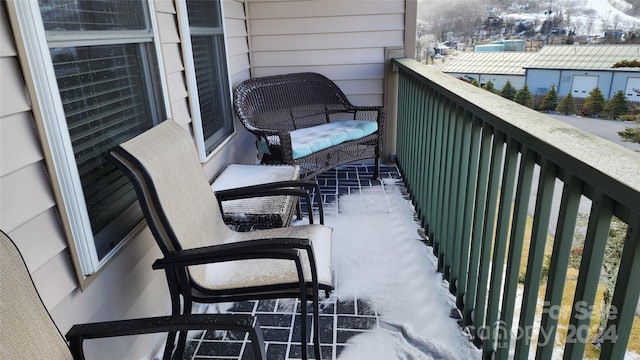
x=288 y=102
x=174 y=193
x=26 y=328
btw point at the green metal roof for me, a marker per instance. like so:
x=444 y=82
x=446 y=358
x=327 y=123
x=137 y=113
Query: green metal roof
x=584 y=57
x=503 y=62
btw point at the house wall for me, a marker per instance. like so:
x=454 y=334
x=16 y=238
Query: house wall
x=343 y=40
x=498 y=80
x=126 y=287
x=608 y=81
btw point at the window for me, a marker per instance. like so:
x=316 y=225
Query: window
x=97 y=80
x=206 y=67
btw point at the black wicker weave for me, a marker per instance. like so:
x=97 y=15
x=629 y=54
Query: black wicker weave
x=271 y=107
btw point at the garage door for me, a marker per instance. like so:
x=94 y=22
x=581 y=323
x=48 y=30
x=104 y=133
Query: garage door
x=582 y=85
x=633 y=89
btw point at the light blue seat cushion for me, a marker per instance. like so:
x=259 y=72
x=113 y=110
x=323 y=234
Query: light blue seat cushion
x=312 y=139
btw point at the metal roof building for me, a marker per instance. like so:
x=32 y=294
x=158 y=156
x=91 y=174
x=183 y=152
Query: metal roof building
x=584 y=57
x=578 y=69
x=497 y=67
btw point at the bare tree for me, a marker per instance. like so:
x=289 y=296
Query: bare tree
x=617 y=19
x=589 y=22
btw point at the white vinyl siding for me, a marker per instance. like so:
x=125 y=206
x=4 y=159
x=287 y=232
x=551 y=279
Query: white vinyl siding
x=344 y=40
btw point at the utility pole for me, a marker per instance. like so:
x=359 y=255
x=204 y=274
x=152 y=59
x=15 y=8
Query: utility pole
x=548 y=13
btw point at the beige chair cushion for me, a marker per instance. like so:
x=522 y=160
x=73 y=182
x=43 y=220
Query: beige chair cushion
x=26 y=328
x=170 y=158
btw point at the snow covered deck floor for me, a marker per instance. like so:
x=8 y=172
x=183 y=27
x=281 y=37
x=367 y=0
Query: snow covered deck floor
x=344 y=315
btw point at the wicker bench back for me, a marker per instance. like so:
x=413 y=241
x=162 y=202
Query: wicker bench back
x=289 y=102
x=273 y=106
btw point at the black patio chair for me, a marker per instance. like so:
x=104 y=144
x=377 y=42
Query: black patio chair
x=27 y=330
x=205 y=261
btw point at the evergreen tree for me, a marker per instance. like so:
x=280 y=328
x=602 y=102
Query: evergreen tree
x=567 y=105
x=631 y=134
x=550 y=101
x=508 y=91
x=475 y=82
x=594 y=103
x=617 y=105
x=489 y=87
x=524 y=97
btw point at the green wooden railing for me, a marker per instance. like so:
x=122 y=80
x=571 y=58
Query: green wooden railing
x=486 y=176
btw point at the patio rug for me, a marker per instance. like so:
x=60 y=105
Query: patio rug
x=381 y=258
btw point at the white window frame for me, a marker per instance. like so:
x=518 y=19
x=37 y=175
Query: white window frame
x=192 y=85
x=48 y=105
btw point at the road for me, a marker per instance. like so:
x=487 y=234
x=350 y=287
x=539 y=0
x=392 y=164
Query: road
x=607 y=129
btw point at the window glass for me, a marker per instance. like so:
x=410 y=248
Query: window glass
x=74 y=15
x=210 y=66
x=109 y=90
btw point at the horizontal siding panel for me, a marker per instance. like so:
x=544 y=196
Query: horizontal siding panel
x=235 y=28
x=366 y=100
x=12 y=88
x=165 y=6
x=103 y=300
x=328 y=41
x=172 y=58
x=39 y=239
x=344 y=72
x=362 y=87
x=303 y=9
x=233 y=9
x=328 y=24
x=18 y=138
x=177 y=86
x=55 y=280
x=240 y=76
x=7 y=46
x=25 y=194
x=181 y=113
x=168 y=28
x=238 y=64
x=319 y=57
x=237 y=46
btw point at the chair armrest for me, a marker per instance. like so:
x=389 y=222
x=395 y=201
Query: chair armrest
x=177 y=323
x=287 y=187
x=270 y=248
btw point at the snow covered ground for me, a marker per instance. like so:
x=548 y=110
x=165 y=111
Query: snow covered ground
x=603 y=10
x=383 y=261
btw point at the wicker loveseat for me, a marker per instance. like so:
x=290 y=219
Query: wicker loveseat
x=305 y=119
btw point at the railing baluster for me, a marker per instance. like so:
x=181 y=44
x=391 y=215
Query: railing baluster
x=462 y=300
x=438 y=175
x=558 y=266
x=507 y=190
x=457 y=199
x=478 y=223
x=625 y=296
x=535 y=260
x=447 y=207
x=594 y=245
x=488 y=235
x=516 y=245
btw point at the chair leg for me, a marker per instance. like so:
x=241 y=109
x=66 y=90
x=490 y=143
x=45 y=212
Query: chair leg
x=376 y=169
x=316 y=326
x=182 y=338
x=303 y=326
